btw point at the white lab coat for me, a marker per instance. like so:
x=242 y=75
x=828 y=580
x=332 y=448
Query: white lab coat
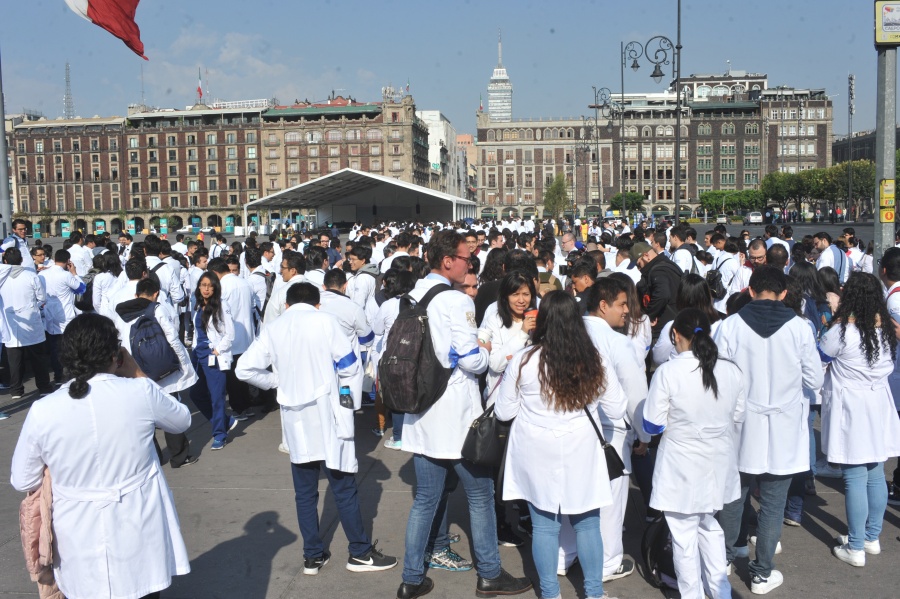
x=238 y=296
x=82 y=258
x=643 y=337
x=125 y=291
x=22 y=296
x=170 y=289
x=776 y=369
x=505 y=342
x=177 y=381
x=728 y=266
x=355 y=326
x=278 y=299
x=554 y=460
x=664 y=350
x=696 y=465
x=116 y=531
x=893 y=306
x=439 y=431
x=859 y=419
x=310 y=358
x=221 y=338
x=621 y=359
x=361 y=286
x=60 y=286
x=837 y=259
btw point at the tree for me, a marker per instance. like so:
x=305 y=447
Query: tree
x=556 y=199
x=634 y=202
x=775 y=188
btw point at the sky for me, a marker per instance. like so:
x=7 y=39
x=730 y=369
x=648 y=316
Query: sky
x=554 y=51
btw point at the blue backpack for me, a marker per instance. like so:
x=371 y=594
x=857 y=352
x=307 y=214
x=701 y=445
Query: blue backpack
x=150 y=348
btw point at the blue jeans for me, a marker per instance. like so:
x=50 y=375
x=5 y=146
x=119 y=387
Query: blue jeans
x=793 y=509
x=431 y=478
x=773 y=490
x=545 y=549
x=438 y=538
x=813 y=410
x=306 y=495
x=866 y=500
x=208 y=394
x=397 y=424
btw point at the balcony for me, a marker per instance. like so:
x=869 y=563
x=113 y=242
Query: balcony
x=271 y=143
x=271 y=190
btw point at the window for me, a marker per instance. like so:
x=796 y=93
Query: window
x=376 y=164
x=173 y=170
x=232 y=184
x=232 y=168
x=229 y=138
x=192 y=170
x=631 y=152
x=727 y=163
x=170 y=141
x=492 y=180
x=751 y=163
x=273 y=168
x=173 y=201
x=134 y=172
x=192 y=154
x=232 y=199
x=250 y=137
x=210 y=138
x=213 y=200
x=333 y=135
x=173 y=185
x=395 y=150
x=509 y=180
x=251 y=152
x=313 y=167
x=251 y=183
x=135 y=187
x=751 y=178
x=751 y=129
x=132 y=142
x=231 y=153
x=210 y=153
x=211 y=185
x=354 y=150
x=646 y=132
x=353 y=135
x=334 y=151
x=728 y=148
x=334 y=165
x=194 y=201
x=191 y=139
x=646 y=151
x=374 y=134
x=491 y=136
x=273 y=153
x=728 y=129
x=704 y=129
x=395 y=134
x=529 y=180
x=726 y=178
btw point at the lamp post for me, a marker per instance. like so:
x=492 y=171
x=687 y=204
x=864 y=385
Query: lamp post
x=630 y=51
x=660 y=50
x=604 y=107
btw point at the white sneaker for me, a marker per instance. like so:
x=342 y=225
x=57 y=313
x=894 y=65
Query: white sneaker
x=742 y=552
x=826 y=470
x=395 y=445
x=853 y=557
x=753 y=542
x=283 y=448
x=870 y=547
x=761 y=586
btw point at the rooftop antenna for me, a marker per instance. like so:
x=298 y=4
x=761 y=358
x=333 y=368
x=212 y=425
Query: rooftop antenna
x=68 y=102
x=499 y=48
x=728 y=62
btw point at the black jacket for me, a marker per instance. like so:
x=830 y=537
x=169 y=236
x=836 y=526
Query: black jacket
x=657 y=289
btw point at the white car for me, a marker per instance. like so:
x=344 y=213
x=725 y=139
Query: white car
x=721 y=219
x=754 y=218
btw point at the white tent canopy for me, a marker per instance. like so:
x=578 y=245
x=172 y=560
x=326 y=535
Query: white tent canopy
x=349 y=195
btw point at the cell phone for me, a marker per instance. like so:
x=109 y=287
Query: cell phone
x=563 y=270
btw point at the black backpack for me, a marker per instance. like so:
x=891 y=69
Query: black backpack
x=694 y=270
x=85 y=301
x=714 y=280
x=656 y=549
x=412 y=378
x=150 y=348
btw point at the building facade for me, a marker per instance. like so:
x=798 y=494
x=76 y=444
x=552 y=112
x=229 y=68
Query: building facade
x=444 y=153
x=201 y=165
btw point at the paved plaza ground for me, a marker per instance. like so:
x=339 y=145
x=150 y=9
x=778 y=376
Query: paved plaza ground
x=239 y=523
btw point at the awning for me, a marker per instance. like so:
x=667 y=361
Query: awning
x=350 y=195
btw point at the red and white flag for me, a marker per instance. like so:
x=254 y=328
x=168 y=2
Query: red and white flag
x=116 y=16
x=199 y=84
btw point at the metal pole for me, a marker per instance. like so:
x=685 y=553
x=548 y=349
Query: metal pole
x=678 y=120
x=622 y=133
x=5 y=202
x=885 y=144
x=850 y=109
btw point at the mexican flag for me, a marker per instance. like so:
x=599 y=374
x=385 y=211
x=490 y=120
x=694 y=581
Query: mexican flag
x=116 y=16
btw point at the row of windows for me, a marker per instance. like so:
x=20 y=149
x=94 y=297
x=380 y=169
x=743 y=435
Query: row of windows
x=75 y=145
x=193 y=185
x=791 y=113
x=191 y=139
x=231 y=153
x=728 y=129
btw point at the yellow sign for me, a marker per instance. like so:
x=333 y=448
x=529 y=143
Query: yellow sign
x=886 y=193
x=887 y=215
x=887 y=23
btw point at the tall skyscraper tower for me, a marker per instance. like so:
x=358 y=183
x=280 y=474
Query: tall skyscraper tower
x=500 y=90
x=68 y=102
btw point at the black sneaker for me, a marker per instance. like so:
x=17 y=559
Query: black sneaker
x=311 y=566
x=809 y=486
x=507 y=538
x=505 y=584
x=191 y=459
x=893 y=494
x=371 y=561
x=626 y=568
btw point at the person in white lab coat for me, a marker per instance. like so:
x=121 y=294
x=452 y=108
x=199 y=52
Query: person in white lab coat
x=106 y=282
x=310 y=359
x=776 y=352
x=435 y=437
x=115 y=528
x=61 y=283
x=22 y=296
x=211 y=356
x=554 y=389
x=637 y=327
x=697 y=402
x=508 y=328
x=860 y=426
x=292 y=267
x=693 y=292
x=364 y=280
x=81 y=257
x=18 y=239
x=237 y=297
x=607 y=307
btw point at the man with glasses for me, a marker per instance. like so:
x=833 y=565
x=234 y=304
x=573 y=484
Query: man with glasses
x=756 y=253
x=660 y=278
x=17 y=240
x=38 y=258
x=831 y=255
x=293 y=269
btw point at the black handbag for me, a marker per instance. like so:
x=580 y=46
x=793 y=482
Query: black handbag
x=614 y=464
x=486 y=439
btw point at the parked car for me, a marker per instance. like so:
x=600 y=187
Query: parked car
x=754 y=218
x=721 y=219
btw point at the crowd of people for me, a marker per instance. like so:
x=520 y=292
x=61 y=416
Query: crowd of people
x=701 y=362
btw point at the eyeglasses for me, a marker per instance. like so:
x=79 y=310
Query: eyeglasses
x=467 y=260
x=757 y=258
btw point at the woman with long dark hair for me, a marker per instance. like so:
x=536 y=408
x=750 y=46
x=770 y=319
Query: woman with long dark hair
x=509 y=329
x=693 y=292
x=696 y=401
x=105 y=283
x=493 y=265
x=637 y=325
x=831 y=283
x=554 y=461
x=95 y=436
x=211 y=356
x=860 y=425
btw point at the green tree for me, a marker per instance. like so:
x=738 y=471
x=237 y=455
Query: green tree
x=634 y=202
x=556 y=199
x=775 y=189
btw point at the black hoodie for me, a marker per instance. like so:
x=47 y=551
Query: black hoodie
x=130 y=310
x=766 y=317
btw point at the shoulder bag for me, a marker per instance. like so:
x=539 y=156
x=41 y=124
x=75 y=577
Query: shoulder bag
x=614 y=464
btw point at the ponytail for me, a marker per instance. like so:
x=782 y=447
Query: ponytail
x=89 y=344
x=693 y=325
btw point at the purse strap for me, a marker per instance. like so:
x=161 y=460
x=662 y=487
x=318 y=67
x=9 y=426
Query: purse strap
x=603 y=442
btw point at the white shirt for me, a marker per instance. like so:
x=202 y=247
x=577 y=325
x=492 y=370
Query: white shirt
x=113 y=425
x=22 y=296
x=386 y=263
x=505 y=342
x=549 y=452
x=238 y=296
x=60 y=286
x=82 y=258
x=278 y=299
x=179 y=247
x=310 y=358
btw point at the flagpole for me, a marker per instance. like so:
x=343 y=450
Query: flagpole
x=5 y=202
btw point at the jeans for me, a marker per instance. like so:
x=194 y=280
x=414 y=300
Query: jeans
x=438 y=538
x=866 y=501
x=397 y=423
x=545 y=549
x=642 y=468
x=813 y=410
x=306 y=495
x=431 y=477
x=773 y=490
x=793 y=509
x=208 y=394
